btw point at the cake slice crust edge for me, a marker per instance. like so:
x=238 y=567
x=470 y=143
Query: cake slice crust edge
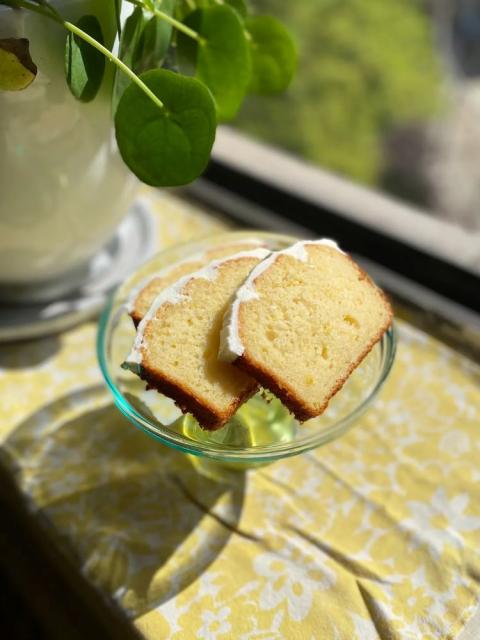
x=286 y=395
x=189 y=402
x=302 y=410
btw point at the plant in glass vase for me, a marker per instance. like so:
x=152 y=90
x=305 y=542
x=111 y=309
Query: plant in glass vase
x=164 y=77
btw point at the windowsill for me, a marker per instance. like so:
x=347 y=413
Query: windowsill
x=371 y=208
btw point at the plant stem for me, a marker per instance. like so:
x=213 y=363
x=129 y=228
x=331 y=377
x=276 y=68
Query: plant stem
x=109 y=55
x=191 y=4
x=53 y=15
x=178 y=25
x=164 y=16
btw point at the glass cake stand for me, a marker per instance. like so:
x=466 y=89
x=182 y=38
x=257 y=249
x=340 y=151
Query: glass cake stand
x=262 y=430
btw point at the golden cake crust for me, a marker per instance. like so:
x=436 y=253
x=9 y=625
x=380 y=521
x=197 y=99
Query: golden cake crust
x=188 y=401
x=288 y=397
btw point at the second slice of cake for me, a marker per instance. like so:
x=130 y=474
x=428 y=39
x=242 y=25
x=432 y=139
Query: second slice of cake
x=303 y=320
x=142 y=297
x=176 y=347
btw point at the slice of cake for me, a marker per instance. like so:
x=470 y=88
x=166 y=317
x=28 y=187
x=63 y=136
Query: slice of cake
x=176 y=347
x=143 y=296
x=302 y=321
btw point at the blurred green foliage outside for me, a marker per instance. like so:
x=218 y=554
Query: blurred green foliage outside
x=366 y=69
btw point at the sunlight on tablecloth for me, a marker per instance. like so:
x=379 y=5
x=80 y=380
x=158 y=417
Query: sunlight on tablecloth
x=375 y=535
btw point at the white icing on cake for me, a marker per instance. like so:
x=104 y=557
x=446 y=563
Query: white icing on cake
x=196 y=257
x=130 y=304
x=173 y=295
x=231 y=346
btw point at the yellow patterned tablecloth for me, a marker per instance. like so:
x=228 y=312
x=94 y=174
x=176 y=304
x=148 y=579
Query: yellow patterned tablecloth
x=376 y=535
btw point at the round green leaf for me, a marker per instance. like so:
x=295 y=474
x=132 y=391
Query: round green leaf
x=221 y=59
x=17 y=69
x=274 y=57
x=171 y=146
x=84 y=65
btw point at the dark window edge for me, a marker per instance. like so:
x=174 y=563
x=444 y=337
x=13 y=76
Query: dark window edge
x=408 y=273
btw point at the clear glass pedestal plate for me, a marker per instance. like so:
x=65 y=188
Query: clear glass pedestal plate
x=262 y=430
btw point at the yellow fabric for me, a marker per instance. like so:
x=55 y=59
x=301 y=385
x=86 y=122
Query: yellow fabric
x=374 y=535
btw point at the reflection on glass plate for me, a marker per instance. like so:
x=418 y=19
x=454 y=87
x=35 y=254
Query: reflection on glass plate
x=262 y=430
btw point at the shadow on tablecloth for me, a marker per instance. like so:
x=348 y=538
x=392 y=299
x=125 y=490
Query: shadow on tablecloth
x=136 y=516
x=28 y=353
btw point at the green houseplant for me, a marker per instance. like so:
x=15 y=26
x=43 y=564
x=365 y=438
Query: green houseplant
x=181 y=67
x=161 y=74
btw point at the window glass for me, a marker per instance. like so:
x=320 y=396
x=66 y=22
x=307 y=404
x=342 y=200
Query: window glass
x=387 y=93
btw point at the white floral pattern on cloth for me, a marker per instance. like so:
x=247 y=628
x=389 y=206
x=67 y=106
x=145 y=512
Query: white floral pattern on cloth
x=215 y=624
x=375 y=535
x=291 y=580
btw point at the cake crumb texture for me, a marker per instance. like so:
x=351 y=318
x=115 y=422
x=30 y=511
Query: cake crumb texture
x=309 y=325
x=180 y=346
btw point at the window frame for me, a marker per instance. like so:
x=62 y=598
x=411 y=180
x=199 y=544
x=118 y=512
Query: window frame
x=409 y=251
